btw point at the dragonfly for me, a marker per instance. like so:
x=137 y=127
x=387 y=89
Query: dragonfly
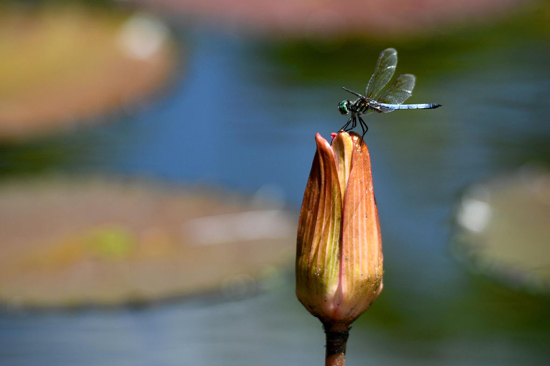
x=378 y=99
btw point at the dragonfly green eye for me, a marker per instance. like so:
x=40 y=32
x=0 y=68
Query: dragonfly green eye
x=343 y=107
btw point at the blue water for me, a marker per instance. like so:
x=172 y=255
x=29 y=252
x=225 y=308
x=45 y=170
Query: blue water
x=236 y=119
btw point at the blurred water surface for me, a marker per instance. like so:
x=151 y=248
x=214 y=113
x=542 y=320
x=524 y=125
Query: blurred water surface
x=240 y=118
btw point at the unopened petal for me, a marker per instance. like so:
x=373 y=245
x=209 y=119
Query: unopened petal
x=342 y=145
x=362 y=259
x=317 y=256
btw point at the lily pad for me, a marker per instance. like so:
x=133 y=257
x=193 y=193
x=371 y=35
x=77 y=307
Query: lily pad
x=63 y=65
x=302 y=17
x=504 y=231
x=100 y=242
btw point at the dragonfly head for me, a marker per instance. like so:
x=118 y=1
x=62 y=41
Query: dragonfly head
x=343 y=107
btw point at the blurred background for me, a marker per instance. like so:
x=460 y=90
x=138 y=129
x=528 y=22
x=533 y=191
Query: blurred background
x=153 y=157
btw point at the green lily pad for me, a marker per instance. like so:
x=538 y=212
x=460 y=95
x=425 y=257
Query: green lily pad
x=62 y=65
x=504 y=229
x=101 y=242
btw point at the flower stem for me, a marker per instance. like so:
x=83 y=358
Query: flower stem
x=337 y=337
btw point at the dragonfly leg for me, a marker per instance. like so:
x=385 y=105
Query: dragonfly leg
x=354 y=123
x=364 y=126
x=345 y=127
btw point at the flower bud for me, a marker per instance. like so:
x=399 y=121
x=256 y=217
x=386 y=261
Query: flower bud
x=339 y=247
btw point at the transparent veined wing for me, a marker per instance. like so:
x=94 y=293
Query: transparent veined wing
x=399 y=91
x=385 y=67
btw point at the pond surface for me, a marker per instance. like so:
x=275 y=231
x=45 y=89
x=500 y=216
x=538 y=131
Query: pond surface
x=241 y=119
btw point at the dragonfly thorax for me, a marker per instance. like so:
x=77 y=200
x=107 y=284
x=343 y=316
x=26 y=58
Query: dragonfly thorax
x=344 y=107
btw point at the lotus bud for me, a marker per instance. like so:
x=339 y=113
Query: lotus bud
x=339 y=247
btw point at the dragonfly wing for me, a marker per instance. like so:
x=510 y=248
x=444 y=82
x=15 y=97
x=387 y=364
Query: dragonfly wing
x=385 y=67
x=399 y=91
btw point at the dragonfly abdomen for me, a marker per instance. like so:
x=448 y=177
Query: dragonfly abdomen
x=410 y=106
